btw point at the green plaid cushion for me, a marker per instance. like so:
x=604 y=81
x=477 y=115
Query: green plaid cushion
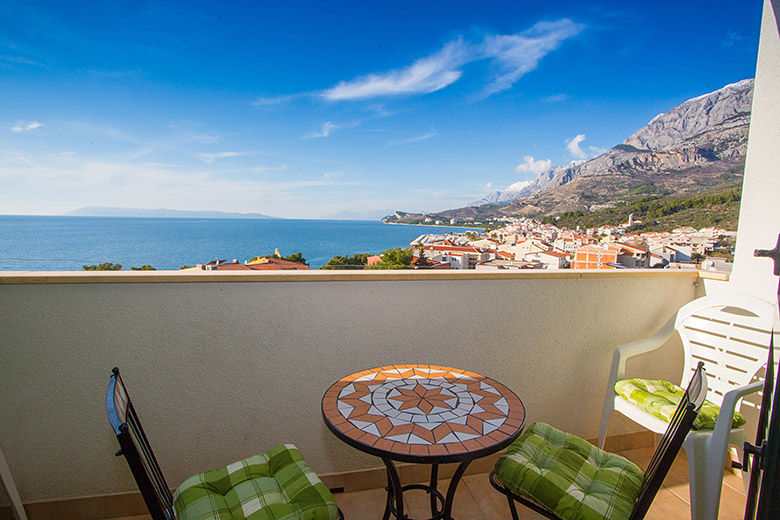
x=278 y=485
x=660 y=398
x=569 y=476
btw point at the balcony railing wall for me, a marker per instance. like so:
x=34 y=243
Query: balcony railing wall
x=219 y=371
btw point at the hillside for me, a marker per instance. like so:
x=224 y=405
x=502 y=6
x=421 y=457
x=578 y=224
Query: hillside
x=718 y=207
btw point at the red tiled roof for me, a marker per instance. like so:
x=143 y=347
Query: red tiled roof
x=277 y=264
x=634 y=248
x=233 y=266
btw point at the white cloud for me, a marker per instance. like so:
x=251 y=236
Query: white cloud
x=25 y=126
x=424 y=76
x=486 y=186
x=278 y=168
x=19 y=60
x=423 y=137
x=51 y=185
x=556 y=98
x=205 y=138
x=573 y=145
x=513 y=54
x=532 y=166
x=518 y=186
x=263 y=102
x=518 y=54
x=325 y=131
x=99 y=131
x=209 y=158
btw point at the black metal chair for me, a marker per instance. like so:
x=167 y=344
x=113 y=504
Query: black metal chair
x=668 y=448
x=163 y=505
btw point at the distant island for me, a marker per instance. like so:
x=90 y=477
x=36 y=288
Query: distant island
x=98 y=211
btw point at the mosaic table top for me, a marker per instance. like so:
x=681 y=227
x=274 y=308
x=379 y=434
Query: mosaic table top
x=423 y=413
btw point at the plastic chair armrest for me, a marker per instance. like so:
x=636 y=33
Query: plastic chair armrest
x=729 y=405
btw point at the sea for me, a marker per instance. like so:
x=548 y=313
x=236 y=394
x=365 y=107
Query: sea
x=66 y=243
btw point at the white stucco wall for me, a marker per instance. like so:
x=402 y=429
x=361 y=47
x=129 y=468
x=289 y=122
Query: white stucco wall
x=759 y=218
x=220 y=371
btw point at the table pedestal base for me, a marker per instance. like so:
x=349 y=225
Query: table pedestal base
x=441 y=506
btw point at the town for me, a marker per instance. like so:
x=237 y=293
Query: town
x=526 y=243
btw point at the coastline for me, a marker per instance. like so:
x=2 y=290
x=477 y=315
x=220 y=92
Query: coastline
x=433 y=225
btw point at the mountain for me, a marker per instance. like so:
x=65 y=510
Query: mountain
x=98 y=211
x=513 y=192
x=697 y=146
x=703 y=130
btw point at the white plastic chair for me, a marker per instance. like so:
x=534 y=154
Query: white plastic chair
x=730 y=333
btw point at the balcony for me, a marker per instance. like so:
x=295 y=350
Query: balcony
x=224 y=365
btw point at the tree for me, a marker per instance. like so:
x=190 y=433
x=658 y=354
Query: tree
x=146 y=267
x=295 y=257
x=396 y=258
x=105 y=266
x=356 y=261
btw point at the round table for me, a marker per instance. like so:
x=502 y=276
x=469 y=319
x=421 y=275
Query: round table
x=424 y=414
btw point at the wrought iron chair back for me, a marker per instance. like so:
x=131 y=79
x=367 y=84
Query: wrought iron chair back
x=137 y=451
x=679 y=426
x=667 y=450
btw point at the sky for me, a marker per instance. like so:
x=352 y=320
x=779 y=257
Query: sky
x=307 y=109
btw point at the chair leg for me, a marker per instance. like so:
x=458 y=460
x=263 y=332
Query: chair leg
x=606 y=413
x=705 y=479
x=512 y=508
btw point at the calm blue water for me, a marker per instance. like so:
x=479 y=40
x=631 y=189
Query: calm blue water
x=66 y=243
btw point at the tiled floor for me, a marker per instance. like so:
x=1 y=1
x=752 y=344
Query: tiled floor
x=477 y=500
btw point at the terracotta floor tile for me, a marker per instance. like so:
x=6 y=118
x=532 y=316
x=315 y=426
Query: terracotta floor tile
x=640 y=456
x=735 y=482
x=476 y=499
x=732 y=503
x=668 y=506
x=361 y=505
x=492 y=503
x=464 y=507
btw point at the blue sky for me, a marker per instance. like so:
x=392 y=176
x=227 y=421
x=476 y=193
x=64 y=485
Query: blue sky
x=305 y=109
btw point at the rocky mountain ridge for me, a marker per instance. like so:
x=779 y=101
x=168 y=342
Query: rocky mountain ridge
x=702 y=130
x=696 y=146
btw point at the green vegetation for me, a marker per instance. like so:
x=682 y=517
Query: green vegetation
x=714 y=208
x=146 y=267
x=396 y=258
x=295 y=257
x=357 y=261
x=105 y=266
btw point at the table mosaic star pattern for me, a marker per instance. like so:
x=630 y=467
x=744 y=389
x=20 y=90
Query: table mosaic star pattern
x=423 y=410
